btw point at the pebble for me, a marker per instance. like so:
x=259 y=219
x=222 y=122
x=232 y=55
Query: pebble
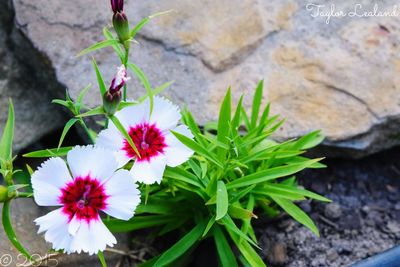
x=279 y=255
x=333 y=211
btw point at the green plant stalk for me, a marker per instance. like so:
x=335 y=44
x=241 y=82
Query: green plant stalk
x=126 y=59
x=10 y=231
x=82 y=123
x=24 y=195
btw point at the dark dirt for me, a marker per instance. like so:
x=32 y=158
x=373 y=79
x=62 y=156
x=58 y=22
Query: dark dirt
x=362 y=220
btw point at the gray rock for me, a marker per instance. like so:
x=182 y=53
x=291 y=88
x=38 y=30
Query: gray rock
x=340 y=77
x=333 y=211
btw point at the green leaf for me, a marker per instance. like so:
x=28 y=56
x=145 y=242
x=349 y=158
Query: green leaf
x=225 y=253
x=182 y=175
x=250 y=254
x=296 y=213
x=8 y=229
x=197 y=148
x=230 y=225
x=109 y=36
x=294 y=190
x=82 y=95
x=157 y=90
x=181 y=246
x=210 y=224
x=67 y=126
x=146 y=20
x=100 y=80
x=143 y=79
x=193 y=126
x=237 y=116
x=256 y=104
x=98 y=46
x=138 y=222
x=270 y=174
x=47 y=153
x=237 y=212
x=96 y=111
x=224 y=123
x=125 y=134
x=309 y=140
x=8 y=135
x=61 y=102
x=102 y=260
x=222 y=201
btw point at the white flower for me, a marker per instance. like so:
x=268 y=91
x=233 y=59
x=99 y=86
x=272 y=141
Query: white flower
x=157 y=146
x=89 y=186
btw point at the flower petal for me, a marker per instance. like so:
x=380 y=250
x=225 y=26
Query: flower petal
x=97 y=162
x=176 y=152
x=123 y=195
x=165 y=114
x=55 y=224
x=151 y=171
x=113 y=140
x=92 y=237
x=131 y=116
x=47 y=181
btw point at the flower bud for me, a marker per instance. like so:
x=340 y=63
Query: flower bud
x=3 y=193
x=119 y=20
x=117 y=5
x=112 y=97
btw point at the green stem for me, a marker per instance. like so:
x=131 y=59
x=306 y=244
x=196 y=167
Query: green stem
x=101 y=258
x=125 y=64
x=87 y=130
x=10 y=231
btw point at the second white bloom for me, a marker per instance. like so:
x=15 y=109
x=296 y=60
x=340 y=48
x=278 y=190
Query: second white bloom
x=151 y=134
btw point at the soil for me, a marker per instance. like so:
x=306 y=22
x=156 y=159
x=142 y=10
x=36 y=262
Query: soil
x=362 y=220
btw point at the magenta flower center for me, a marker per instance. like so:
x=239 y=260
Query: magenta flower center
x=84 y=197
x=148 y=140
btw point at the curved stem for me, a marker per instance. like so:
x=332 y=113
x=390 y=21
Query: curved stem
x=24 y=195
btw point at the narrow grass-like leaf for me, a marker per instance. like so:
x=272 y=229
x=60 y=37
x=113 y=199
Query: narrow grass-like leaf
x=157 y=90
x=210 y=224
x=67 y=126
x=237 y=115
x=102 y=260
x=96 y=111
x=296 y=213
x=8 y=134
x=293 y=190
x=144 y=21
x=182 y=175
x=224 y=123
x=138 y=222
x=109 y=36
x=230 y=225
x=226 y=256
x=237 y=212
x=47 y=153
x=100 y=80
x=181 y=246
x=143 y=79
x=222 y=200
x=8 y=229
x=309 y=140
x=197 y=148
x=98 y=46
x=256 y=104
x=124 y=133
x=270 y=174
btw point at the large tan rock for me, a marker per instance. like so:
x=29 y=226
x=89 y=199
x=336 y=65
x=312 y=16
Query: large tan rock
x=340 y=77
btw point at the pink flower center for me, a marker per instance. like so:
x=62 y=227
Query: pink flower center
x=84 y=197
x=148 y=140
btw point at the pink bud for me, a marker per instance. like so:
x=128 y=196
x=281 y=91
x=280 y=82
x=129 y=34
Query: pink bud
x=117 y=5
x=119 y=80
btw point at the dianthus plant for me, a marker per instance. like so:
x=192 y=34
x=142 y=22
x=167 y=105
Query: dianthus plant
x=152 y=167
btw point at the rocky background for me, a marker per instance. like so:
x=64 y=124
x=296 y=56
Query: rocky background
x=340 y=77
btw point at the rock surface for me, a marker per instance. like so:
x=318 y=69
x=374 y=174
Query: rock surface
x=34 y=114
x=341 y=77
